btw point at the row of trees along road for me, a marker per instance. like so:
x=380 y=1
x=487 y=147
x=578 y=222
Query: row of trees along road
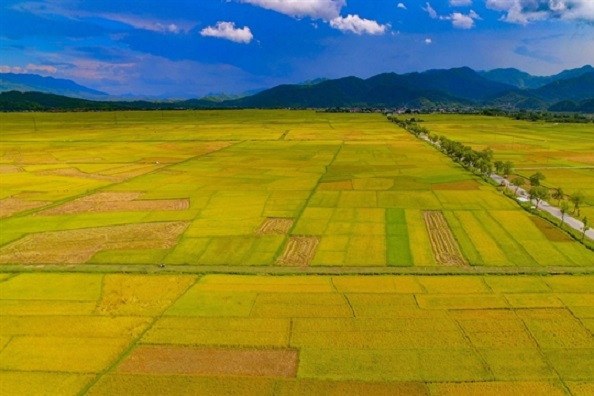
x=481 y=162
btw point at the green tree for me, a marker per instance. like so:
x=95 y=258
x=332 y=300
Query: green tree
x=539 y=193
x=536 y=178
x=558 y=194
x=564 y=209
x=518 y=182
x=498 y=166
x=508 y=168
x=585 y=228
x=577 y=199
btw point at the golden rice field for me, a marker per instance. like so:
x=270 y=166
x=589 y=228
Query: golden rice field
x=222 y=190
x=564 y=153
x=112 y=226
x=117 y=334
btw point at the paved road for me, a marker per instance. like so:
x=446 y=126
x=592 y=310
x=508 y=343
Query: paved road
x=570 y=221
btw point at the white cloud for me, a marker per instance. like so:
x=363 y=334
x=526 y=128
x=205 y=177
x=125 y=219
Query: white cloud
x=460 y=3
x=30 y=68
x=149 y=24
x=526 y=11
x=315 y=9
x=459 y=20
x=428 y=41
x=462 y=21
x=227 y=30
x=432 y=13
x=358 y=25
x=401 y=6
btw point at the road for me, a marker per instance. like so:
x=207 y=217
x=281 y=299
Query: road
x=570 y=221
x=520 y=192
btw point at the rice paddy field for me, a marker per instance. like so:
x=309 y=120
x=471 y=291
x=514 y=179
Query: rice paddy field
x=238 y=189
x=275 y=253
x=264 y=335
x=564 y=153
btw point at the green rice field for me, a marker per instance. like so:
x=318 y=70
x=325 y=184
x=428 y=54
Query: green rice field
x=238 y=189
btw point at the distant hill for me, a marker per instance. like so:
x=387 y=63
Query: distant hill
x=433 y=89
x=523 y=80
x=58 y=86
x=586 y=106
x=40 y=101
x=461 y=86
x=576 y=88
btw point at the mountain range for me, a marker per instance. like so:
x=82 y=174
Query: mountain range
x=570 y=90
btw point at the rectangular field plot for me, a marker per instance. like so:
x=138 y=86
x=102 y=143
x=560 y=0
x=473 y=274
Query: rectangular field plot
x=295 y=189
x=254 y=334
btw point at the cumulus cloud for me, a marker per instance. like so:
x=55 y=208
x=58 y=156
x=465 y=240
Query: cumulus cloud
x=401 y=6
x=358 y=25
x=459 y=20
x=526 y=11
x=30 y=68
x=428 y=41
x=462 y=21
x=460 y=3
x=228 y=31
x=432 y=13
x=315 y=9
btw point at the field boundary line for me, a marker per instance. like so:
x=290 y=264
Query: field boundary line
x=92 y=191
x=155 y=269
x=283 y=245
x=134 y=343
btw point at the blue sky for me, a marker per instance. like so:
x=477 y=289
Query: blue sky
x=188 y=48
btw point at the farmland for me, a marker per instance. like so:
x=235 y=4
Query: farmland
x=224 y=334
x=562 y=152
x=238 y=189
x=274 y=253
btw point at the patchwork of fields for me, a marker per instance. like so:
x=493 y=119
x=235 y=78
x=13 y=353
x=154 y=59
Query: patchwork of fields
x=240 y=189
x=262 y=335
x=564 y=153
x=88 y=199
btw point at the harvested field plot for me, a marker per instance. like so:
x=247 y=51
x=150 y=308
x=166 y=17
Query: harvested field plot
x=299 y=251
x=275 y=226
x=444 y=244
x=116 y=202
x=78 y=246
x=292 y=189
x=426 y=335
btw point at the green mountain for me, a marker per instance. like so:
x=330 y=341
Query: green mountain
x=523 y=80
x=453 y=88
x=58 y=86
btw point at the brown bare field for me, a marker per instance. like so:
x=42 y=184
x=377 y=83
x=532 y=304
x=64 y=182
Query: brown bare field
x=4 y=168
x=551 y=232
x=74 y=172
x=275 y=226
x=445 y=248
x=299 y=251
x=458 y=185
x=12 y=205
x=116 y=202
x=244 y=362
x=78 y=246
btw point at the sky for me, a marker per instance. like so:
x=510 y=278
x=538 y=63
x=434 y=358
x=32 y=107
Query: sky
x=190 y=48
